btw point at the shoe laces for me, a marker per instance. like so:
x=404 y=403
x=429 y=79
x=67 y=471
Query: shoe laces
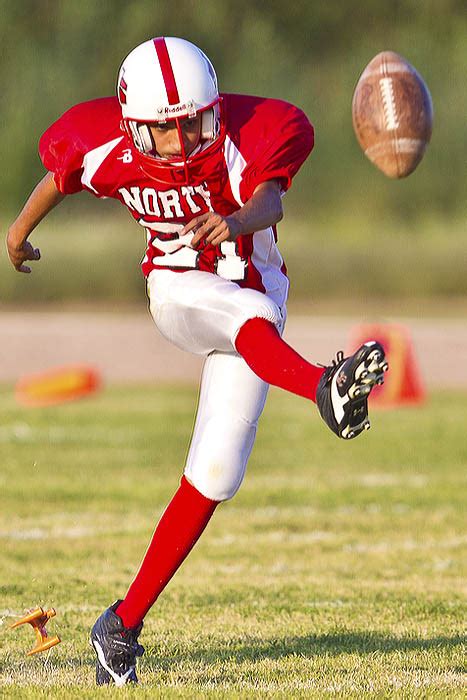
x=133 y=647
x=338 y=359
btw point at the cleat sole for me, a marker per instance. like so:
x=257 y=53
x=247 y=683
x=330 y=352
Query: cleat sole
x=342 y=396
x=358 y=391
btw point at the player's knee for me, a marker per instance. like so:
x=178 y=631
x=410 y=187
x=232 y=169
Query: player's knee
x=257 y=305
x=217 y=462
x=215 y=483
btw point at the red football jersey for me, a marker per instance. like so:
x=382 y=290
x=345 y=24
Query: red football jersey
x=265 y=139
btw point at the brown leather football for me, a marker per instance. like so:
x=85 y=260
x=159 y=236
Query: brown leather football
x=392 y=114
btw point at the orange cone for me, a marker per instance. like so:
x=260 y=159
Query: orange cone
x=38 y=618
x=403 y=383
x=57 y=385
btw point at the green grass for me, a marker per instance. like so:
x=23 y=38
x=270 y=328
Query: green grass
x=337 y=570
x=94 y=257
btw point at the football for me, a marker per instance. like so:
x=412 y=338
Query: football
x=392 y=114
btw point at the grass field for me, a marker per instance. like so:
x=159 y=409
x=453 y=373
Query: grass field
x=336 y=570
x=346 y=256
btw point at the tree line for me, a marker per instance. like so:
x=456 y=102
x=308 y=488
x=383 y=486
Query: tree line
x=59 y=52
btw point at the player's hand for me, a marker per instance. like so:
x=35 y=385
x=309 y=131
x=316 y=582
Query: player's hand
x=213 y=228
x=19 y=253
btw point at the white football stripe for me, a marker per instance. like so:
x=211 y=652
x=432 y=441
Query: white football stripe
x=401 y=146
x=391 y=120
x=385 y=69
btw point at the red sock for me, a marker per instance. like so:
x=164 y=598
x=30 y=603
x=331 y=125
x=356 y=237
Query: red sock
x=177 y=532
x=275 y=362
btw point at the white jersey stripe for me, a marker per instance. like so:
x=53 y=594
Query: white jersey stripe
x=265 y=255
x=94 y=159
x=268 y=261
x=235 y=165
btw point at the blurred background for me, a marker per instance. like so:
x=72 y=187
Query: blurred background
x=353 y=553
x=349 y=233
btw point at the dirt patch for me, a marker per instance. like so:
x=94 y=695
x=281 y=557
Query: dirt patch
x=128 y=348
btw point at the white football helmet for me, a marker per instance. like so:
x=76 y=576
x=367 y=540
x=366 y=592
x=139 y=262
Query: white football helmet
x=165 y=79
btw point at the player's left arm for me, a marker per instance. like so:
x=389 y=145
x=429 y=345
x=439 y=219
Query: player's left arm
x=263 y=209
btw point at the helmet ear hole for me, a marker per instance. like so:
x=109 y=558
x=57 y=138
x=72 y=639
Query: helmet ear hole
x=207 y=125
x=146 y=138
x=210 y=123
x=142 y=137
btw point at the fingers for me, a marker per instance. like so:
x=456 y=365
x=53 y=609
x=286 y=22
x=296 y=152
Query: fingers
x=19 y=256
x=212 y=227
x=211 y=232
x=197 y=238
x=200 y=233
x=195 y=223
x=218 y=235
x=214 y=230
x=35 y=254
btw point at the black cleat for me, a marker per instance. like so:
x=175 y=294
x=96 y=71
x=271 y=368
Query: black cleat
x=343 y=390
x=116 y=647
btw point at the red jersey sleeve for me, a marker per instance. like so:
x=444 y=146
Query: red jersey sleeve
x=273 y=136
x=65 y=143
x=284 y=152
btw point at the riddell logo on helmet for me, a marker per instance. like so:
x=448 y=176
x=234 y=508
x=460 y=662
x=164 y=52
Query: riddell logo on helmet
x=176 y=109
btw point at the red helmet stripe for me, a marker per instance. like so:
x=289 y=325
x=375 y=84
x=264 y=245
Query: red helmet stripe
x=122 y=88
x=167 y=71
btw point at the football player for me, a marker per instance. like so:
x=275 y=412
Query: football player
x=204 y=174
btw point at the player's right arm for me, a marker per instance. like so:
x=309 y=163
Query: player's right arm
x=43 y=198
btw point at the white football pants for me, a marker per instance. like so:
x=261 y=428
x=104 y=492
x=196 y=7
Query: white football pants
x=202 y=313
